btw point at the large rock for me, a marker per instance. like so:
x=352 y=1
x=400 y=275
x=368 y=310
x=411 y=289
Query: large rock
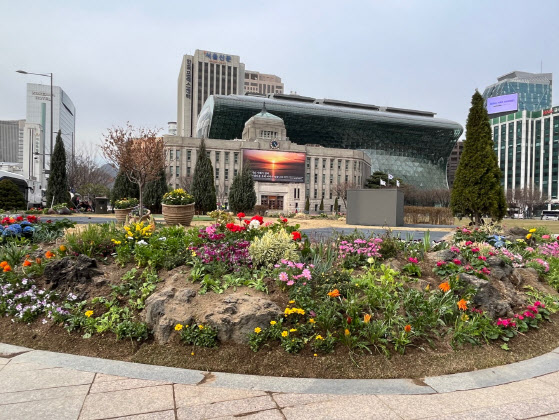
x=72 y=275
x=516 y=232
x=494 y=297
x=235 y=313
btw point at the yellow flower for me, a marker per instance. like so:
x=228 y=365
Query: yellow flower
x=293 y=330
x=257 y=330
x=88 y=313
x=315 y=355
x=62 y=248
x=193 y=253
x=201 y=327
x=346 y=332
x=114 y=241
x=291 y=301
x=284 y=334
x=192 y=354
x=138 y=228
x=312 y=321
x=464 y=317
x=273 y=322
x=178 y=327
x=319 y=337
x=528 y=236
x=186 y=326
x=532 y=230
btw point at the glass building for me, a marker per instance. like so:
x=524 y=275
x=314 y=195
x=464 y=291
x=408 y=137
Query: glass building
x=527 y=147
x=411 y=145
x=534 y=89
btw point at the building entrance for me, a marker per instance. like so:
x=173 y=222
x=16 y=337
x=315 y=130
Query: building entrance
x=273 y=202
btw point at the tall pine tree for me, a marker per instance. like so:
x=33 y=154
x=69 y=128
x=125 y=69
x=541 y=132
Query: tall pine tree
x=242 y=197
x=57 y=186
x=124 y=188
x=203 y=187
x=155 y=190
x=477 y=189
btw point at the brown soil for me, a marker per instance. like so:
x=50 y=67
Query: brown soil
x=416 y=363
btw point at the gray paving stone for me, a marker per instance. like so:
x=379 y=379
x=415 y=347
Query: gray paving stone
x=160 y=415
x=67 y=408
x=261 y=415
x=189 y=395
x=550 y=417
x=9 y=349
x=493 y=413
x=4 y=361
x=101 y=377
x=45 y=378
x=290 y=399
x=122 y=384
x=20 y=367
x=226 y=408
x=43 y=394
x=343 y=408
x=128 y=402
x=416 y=406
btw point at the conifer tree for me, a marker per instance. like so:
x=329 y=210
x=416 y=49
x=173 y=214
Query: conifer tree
x=124 y=188
x=155 y=190
x=203 y=187
x=321 y=207
x=11 y=197
x=242 y=197
x=336 y=207
x=477 y=189
x=307 y=204
x=57 y=186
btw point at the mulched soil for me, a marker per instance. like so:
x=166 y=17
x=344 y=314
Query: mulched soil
x=274 y=361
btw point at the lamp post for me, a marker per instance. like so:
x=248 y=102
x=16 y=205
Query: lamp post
x=51 y=101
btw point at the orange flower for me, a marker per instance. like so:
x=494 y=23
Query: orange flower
x=346 y=332
x=38 y=260
x=462 y=304
x=3 y=264
x=26 y=263
x=445 y=287
x=334 y=293
x=49 y=254
x=407 y=328
x=366 y=318
x=7 y=268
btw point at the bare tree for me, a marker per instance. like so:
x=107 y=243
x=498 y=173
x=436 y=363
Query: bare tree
x=341 y=190
x=138 y=153
x=84 y=169
x=526 y=200
x=184 y=182
x=221 y=195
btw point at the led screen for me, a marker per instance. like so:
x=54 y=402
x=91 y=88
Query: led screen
x=274 y=166
x=500 y=104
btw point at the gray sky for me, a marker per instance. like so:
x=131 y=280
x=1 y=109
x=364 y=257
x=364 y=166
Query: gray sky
x=119 y=60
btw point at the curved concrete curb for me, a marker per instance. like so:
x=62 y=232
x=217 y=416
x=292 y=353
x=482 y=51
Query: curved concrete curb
x=527 y=369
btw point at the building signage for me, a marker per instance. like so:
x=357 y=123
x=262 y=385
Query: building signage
x=41 y=96
x=217 y=57
x=274 y=166
x=554 y=110
x=547 y=112
x=188 y=85
x=504 y=103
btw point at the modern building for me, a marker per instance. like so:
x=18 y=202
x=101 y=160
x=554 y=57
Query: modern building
x=453 y=162
x=285 y=173
x=11 y=142
x=64 y=118
x=409 y=144
x=203 y=74
x=527 y=147
x=264 y=84
x=534 y=90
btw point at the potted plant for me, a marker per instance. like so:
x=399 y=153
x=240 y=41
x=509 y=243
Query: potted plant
x=178 y=207
x=123 y=208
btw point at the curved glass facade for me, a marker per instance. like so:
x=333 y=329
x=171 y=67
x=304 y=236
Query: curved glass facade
x=413 y=148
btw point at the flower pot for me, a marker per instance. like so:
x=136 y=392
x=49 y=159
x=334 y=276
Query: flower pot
x=178 y=214
x=121 y=214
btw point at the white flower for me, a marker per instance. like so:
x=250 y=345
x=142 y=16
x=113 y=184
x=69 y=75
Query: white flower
x=142 y=242
x=254 y=224
x=163 y=238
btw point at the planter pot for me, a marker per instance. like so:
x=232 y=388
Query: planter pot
x=121 y=214
x=178 y=214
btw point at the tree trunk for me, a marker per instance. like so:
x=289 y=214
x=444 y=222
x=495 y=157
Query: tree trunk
x=478 y=219
x=141 y=188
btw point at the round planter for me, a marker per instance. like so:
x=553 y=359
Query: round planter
x=178 y=214
x=121 y=214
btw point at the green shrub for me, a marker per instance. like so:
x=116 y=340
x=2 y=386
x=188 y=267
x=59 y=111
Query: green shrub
x=93 y=240
x=271 y=248
x=11 y=197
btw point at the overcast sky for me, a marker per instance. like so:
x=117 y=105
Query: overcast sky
x=119 y=60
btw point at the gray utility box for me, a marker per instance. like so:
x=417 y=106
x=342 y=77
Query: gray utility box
x=382 y=207
x=101 y=205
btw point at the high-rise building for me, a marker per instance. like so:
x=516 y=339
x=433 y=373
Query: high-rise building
x=534 y=89
x=453 y=162
x=256 y=82
x=11 y=141
x=203 y=74
x=64 y=117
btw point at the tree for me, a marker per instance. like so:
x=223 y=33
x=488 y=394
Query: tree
x=341 y=190
x=307 y=205
x=242 y=196
x=477 y=186
x=373 y=181
x=336 y=205
x=124 y=188
x=526 y=200
x=203 y=187
x=57 y=186
x=138 y=153
x=321 y=207
x=83 y=169
x=155 y=190
x=11 y=197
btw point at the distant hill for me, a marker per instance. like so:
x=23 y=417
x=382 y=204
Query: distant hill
x=111 y=172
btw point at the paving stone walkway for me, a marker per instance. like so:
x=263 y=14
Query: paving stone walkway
x=44 y=385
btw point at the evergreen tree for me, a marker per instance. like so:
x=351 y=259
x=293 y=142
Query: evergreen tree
x=242 y=197
x=57 y=186
x=336 y=207
x=321 y=207
x=124 y=188
x=154 y=192
x=11 y=197
x=307 y=204
x=373 y=181
x=203 y=187
x=477 y=186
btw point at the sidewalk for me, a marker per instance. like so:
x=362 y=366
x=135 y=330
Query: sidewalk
x=44 y=385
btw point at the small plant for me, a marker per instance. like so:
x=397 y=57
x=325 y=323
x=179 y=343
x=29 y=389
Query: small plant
x=273 y=247
x=177 y=197
x=126 y=203
x=198 y=334
x=412 y=268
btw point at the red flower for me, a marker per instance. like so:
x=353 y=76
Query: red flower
x=246 y=222
x=240 y=215
x=259 y=218
x=19 y=218
x=457 y=261
x=49 y=221
x=407 y=328
x=283 y=220
x=296 y=236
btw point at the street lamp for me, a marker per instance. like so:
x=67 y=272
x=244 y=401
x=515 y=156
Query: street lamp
x=51 y=100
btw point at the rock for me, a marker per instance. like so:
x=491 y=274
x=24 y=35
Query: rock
x=52 y=211
x=234 y=315
x=70 y=275
x=495 y=262
x=445 y=255
x=515 y=233
x=521 y=277
x=64 y=210
x=495 y=302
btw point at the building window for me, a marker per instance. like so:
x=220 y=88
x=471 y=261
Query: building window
x=330 y=194
x=315 y=178
x=217 y=157
x=308 y=177
x=316 y=207
x=315 y=163
x=178 y=169
x=315 y=193
x=323 y=163
x=323 y=178
x=331 y=179
x=188 y=171
x=235 y=172
x=354 y=165
x=323 y=194
x=308 y=163
x=170 y=170
x=170 y=155
x=339 y=179
x=236 y=159
x=188 y=155
x=226 y=174
x=331 y=163
x=178 y=155
x=209 y=154
x=339 y=164
x=346 y=164
x=346 y=178
x=226 y=157
x=216 y=173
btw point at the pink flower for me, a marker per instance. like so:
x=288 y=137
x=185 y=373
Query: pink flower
x=454 y=249
x=482 y=257
x=485 y=270
x=468 y=243
x=290 y=283
x=475 y=250
x=440 y=263
x=457 y=261
x=545 y=236
x=413 y=260
x=537 y=303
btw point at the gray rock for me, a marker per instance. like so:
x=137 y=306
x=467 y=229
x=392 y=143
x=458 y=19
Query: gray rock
x=445 y=255
x=495 y=262
x=491 y=297
x=72 y=274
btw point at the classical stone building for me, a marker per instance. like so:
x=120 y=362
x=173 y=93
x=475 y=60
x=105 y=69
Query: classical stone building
x=285 y=173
